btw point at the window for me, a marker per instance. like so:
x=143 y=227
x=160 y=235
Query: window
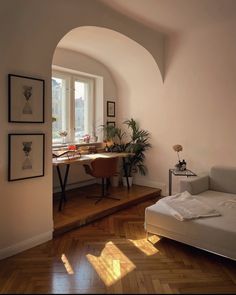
x=72 y=106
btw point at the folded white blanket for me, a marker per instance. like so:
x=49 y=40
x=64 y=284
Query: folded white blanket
x=184 y=206
x=229 y=203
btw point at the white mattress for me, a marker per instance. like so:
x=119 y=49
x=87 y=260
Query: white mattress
x=215 y=234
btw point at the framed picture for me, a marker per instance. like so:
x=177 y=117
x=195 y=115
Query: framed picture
x=111 y=109
x=111 y=123
x=25 y=156
x=26 y=99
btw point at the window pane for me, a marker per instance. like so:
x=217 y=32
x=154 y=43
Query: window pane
x=81 y=109
x=72 y=106
x=58 y=107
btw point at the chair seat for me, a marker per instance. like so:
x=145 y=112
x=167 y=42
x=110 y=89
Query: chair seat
x=103 y=168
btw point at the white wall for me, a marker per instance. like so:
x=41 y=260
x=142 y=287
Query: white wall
x=76 y=61
x=199 y=97
x=30 y=31
x=194 y=107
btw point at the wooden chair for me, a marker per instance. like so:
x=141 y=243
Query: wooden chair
x=103 y=168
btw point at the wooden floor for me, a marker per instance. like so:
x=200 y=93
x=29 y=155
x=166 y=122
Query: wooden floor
x=80 y=210
x=110 y=256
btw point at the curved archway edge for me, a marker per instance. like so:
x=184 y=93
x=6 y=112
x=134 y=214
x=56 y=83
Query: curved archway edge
x=151 y=40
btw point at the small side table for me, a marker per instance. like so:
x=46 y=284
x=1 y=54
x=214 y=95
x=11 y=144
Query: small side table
x=177 y=172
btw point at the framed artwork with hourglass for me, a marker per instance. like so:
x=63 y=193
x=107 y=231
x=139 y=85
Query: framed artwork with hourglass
x=26 y=99
x=25 y=156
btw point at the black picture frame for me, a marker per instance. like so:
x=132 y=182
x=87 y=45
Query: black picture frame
x=111 y=123
x=111 y=109
x=26 y=155
x=26 y=97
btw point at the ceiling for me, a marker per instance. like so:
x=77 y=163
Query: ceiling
x=167 y=16
x=117 y=52
x=175 y=15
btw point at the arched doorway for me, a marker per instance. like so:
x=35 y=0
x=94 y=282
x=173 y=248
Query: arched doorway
x=123 y=66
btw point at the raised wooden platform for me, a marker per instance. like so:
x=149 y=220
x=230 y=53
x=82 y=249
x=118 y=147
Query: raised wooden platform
x=79 y=210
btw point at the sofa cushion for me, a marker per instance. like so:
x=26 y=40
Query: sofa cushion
x=195 y=185
x=223 y=179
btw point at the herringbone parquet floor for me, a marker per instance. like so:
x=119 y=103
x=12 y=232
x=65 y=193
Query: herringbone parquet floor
x=112 y=256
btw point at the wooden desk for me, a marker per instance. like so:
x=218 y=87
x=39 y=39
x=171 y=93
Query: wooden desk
x=84 y=159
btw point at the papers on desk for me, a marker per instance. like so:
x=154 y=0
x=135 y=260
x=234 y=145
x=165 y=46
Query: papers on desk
x=57 y=154
x=66 y=155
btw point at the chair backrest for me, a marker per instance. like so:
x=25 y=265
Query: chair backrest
x=223 y=179
x=104 y=167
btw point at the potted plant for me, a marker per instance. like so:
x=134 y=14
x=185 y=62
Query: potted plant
x=138 y=145
x=109 y=133
x=113 y=138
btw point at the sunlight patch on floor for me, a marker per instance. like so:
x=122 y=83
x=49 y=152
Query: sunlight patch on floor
x=111 y=265
x=145 y=246
x=153 y=239
x=67 y=265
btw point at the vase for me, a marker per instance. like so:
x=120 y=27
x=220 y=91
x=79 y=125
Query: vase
x=130 y=180
x=115 y=180
x=181 y=166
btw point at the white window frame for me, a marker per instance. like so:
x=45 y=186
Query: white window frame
x=70 y=103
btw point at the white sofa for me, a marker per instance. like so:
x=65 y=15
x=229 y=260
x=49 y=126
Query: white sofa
x=214 y=234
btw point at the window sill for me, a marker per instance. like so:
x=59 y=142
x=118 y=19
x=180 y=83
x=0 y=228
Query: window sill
x=56 y=146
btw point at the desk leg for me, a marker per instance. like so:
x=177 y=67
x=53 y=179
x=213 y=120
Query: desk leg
x=63 y=184
x=170 y=182
x=126 y=173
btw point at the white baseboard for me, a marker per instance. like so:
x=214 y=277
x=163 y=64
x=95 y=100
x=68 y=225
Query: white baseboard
x=74 y=185
x=25 y=245
x=151 y=183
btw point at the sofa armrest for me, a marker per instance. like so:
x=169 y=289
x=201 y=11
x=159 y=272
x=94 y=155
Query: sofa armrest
x=195 y=185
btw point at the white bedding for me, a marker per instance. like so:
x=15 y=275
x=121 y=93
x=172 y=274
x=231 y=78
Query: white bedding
x=184 y=206
x=215 y=234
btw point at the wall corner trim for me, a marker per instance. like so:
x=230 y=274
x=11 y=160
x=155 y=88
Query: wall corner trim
x=26 y=244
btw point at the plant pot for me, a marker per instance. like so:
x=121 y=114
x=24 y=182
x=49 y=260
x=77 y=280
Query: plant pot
x=115 y=180
x=130 y=180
